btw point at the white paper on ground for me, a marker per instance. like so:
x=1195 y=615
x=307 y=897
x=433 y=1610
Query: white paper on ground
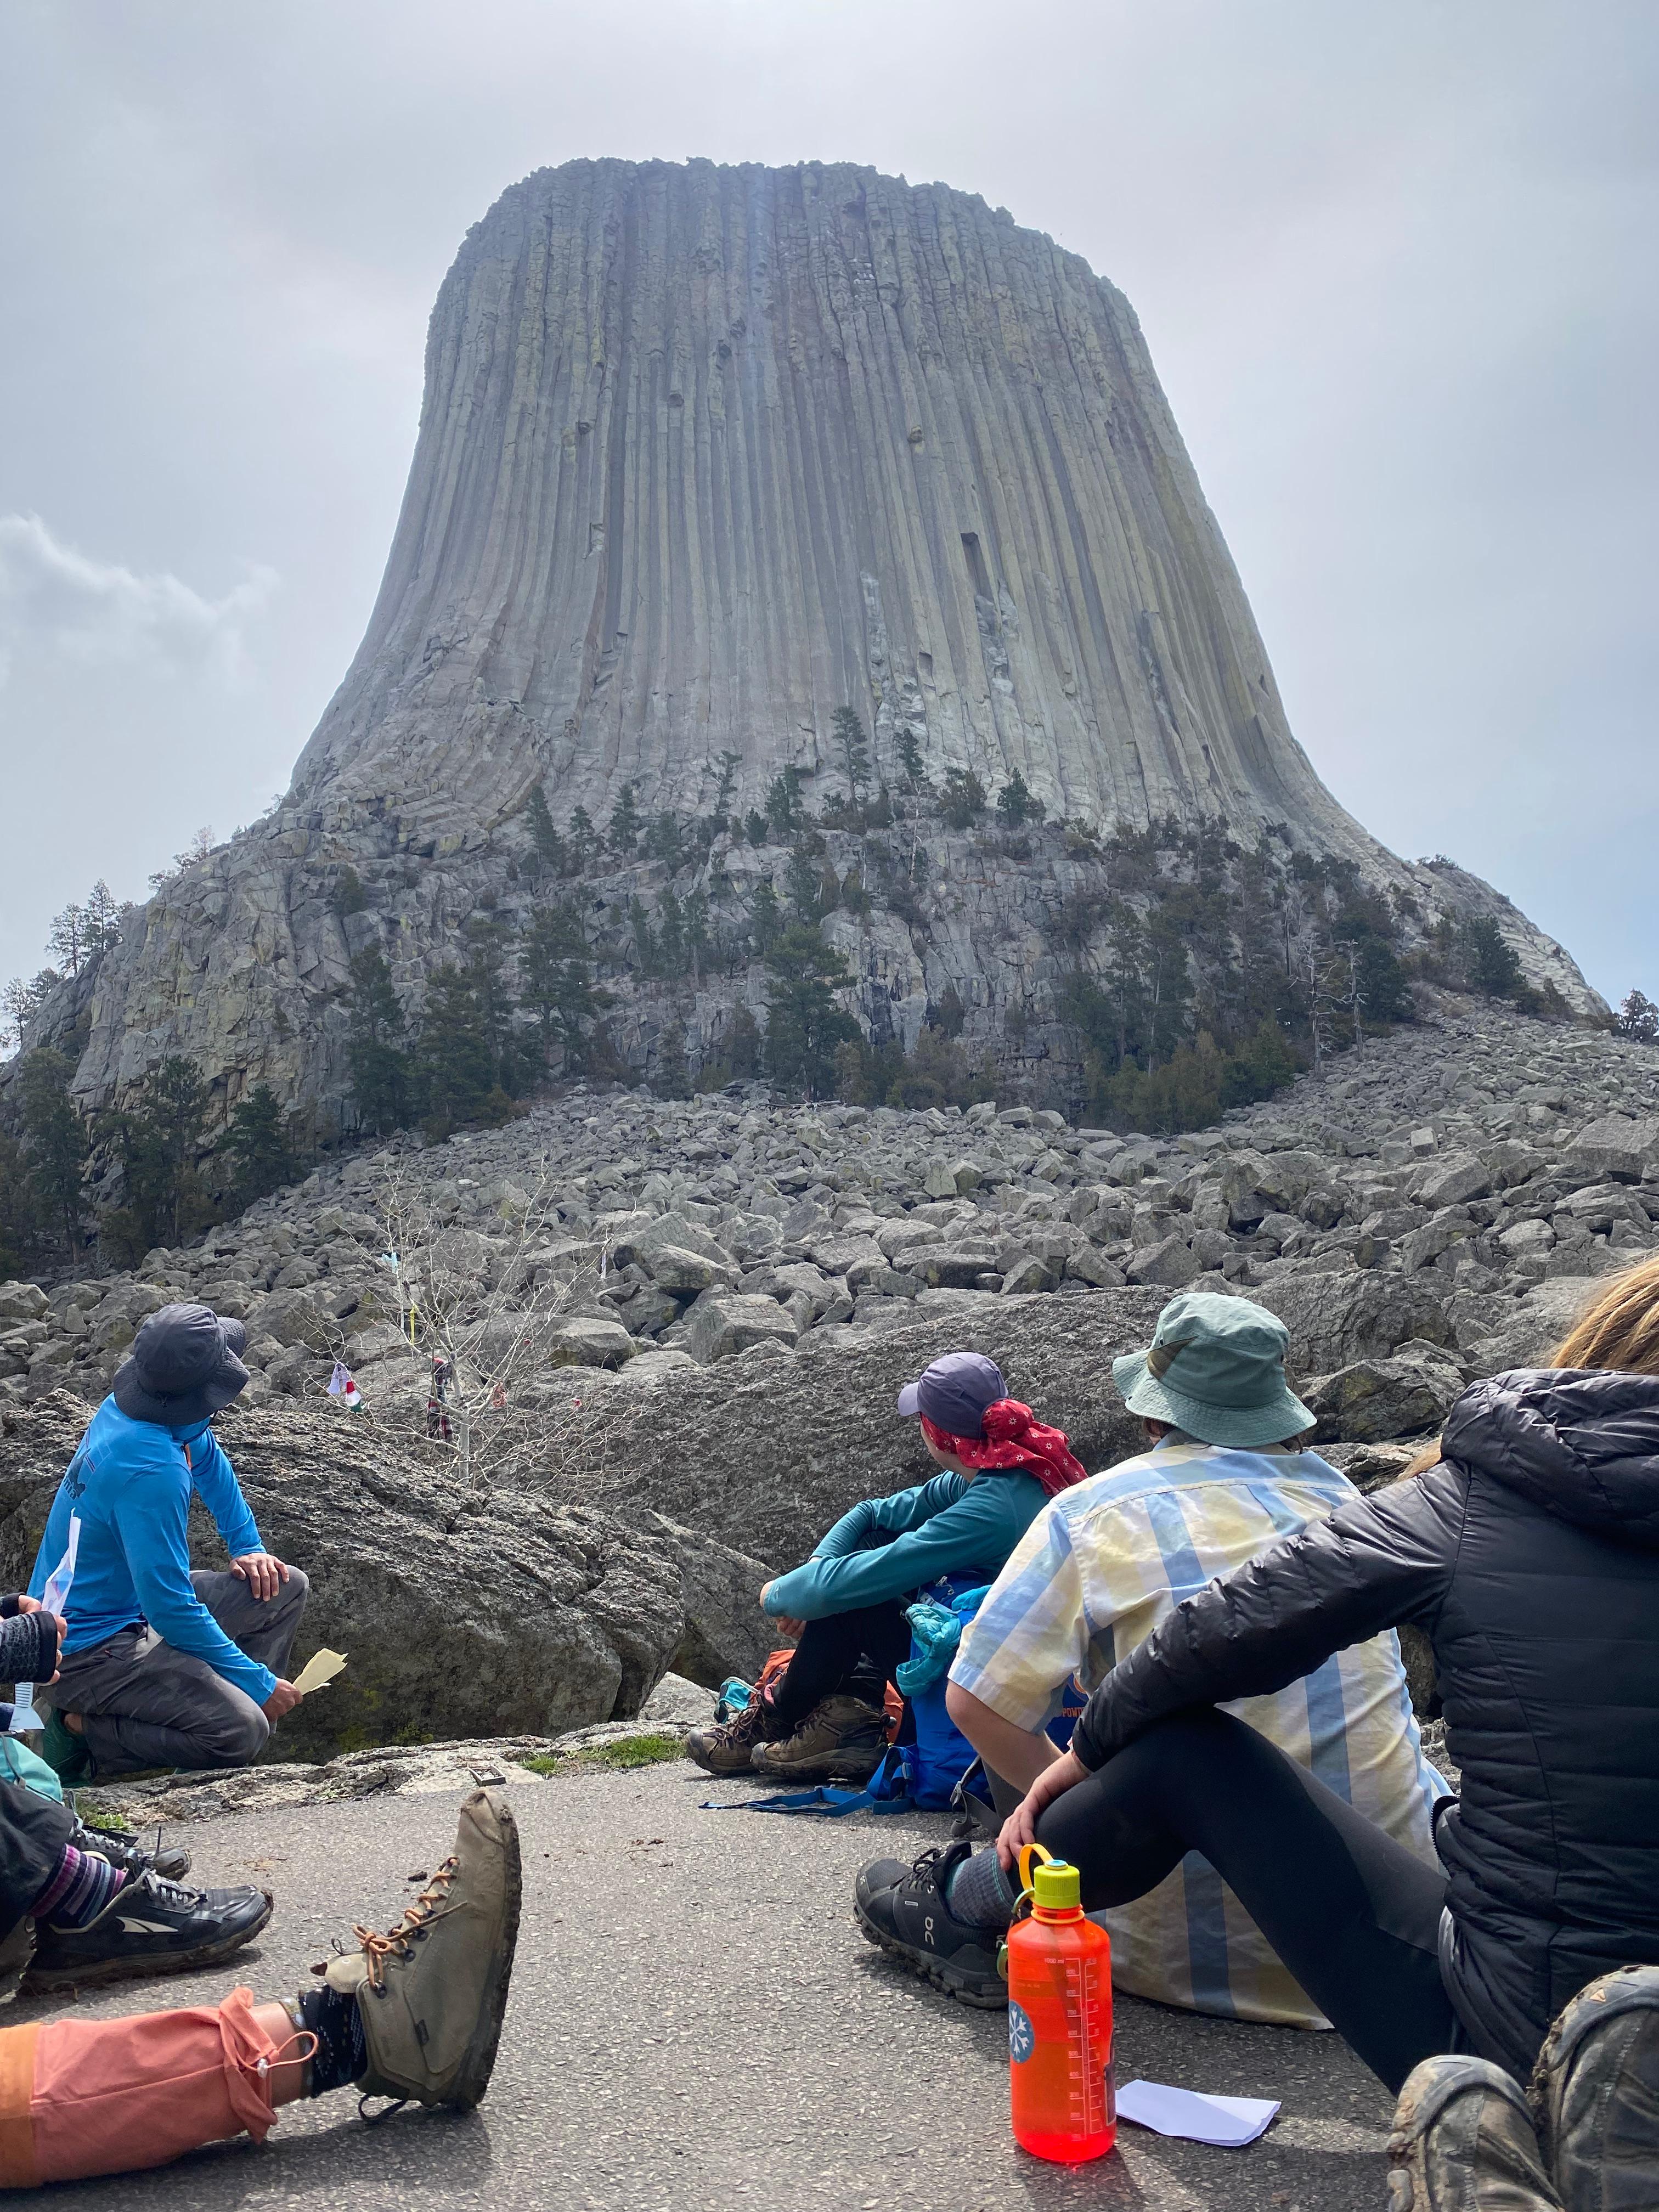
x=318 y=1671
x=1231 y=2122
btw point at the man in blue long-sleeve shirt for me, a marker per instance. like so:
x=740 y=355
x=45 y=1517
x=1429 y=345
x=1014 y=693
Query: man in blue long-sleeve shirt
x=161 y=1667
x=822 y=1718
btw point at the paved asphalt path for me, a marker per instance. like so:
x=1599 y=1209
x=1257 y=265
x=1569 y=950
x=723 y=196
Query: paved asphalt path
x=695 y=2021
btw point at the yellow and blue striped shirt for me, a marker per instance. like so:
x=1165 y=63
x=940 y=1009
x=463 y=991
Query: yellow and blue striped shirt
x=1093 y=1576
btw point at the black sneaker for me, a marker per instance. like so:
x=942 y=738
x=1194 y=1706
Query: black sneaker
x=911 y=1922
x=170 y=1861
x=148 y=1927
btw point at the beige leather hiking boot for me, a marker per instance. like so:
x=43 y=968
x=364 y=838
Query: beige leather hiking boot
x=431 y=1992
x=840 y=1740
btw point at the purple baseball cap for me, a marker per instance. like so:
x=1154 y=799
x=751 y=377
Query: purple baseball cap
x=954 y=1392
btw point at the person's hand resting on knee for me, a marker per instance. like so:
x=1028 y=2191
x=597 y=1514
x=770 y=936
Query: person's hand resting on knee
x=784 y=1623
x=1020 y=1826
x=262 y=1572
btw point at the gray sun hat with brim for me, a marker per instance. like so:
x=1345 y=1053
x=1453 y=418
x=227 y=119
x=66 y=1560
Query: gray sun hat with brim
x=183 y=1367
x=1215 y=1369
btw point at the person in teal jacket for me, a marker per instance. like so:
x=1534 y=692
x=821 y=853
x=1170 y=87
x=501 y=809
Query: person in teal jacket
x=824 y=1717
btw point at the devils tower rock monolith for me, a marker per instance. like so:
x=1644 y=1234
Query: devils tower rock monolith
x=705 y=455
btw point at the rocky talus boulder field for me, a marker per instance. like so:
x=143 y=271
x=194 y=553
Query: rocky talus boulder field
x=707 y=1308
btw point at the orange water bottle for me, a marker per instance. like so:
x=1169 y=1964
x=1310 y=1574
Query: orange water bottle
x=1059 y=2020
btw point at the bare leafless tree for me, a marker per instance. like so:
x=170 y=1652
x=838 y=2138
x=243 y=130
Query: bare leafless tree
x=488 y=1307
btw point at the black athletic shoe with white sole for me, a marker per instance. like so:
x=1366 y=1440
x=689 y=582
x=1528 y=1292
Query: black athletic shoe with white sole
x=911 y=1922
x=148 y=1927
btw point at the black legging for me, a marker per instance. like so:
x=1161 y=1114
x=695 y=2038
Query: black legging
x=855 y=1652
x=1354 y=1914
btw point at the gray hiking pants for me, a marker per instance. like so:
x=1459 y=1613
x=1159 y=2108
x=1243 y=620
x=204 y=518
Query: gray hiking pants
x=145 y=1705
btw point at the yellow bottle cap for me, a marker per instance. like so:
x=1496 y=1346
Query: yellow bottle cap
x=1057 y=1887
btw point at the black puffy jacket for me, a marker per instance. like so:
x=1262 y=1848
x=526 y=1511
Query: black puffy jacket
x=1530 y=1558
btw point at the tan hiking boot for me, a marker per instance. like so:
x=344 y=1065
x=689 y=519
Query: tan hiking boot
x=1463 y=2142
x=729 y=1747
x=432 y=1991
x=840 y=1740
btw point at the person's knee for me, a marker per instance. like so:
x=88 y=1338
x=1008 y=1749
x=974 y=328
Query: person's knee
x=963 y=1707
x=233 y=1735
x=293 y=1593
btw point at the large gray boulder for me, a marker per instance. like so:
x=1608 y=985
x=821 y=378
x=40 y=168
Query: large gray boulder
x=587 y=1340
x=1377 y=1400
x=1337 y=1319
x=718 y=1328
x=1531 y=1327
x=765 y=1450
x=1170 y=1264
x=1622 y=1133
x=460 y=1615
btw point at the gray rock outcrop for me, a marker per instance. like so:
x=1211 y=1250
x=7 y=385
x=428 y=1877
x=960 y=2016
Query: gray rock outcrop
x=461 y=1616
x=766 y=1449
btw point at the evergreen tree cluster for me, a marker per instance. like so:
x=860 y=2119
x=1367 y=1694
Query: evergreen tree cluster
x=85 y=928
x=159 y=1140
x=494 y=1018
x=1200 y=974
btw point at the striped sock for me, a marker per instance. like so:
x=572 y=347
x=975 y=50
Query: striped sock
x=82 y=1886
x=979 y=1893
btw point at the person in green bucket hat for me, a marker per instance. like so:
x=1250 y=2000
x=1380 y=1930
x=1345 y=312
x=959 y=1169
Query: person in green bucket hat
x=1226 y=1472
x=1215 y=1370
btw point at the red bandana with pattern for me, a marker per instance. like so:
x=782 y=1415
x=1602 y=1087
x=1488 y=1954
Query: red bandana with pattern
x=1012 y=1437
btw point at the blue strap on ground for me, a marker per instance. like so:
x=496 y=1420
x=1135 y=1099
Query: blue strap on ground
x=825 y=1799
x=886 y=1791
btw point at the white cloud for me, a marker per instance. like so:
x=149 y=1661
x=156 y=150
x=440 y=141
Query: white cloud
x=57 y=601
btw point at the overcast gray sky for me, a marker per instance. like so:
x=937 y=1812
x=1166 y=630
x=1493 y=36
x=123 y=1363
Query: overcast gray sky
x=1396 y=267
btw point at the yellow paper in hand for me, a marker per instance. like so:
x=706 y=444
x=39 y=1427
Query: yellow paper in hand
x=318 y=1671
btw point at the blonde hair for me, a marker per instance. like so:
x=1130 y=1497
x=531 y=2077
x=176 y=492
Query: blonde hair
x=1620 y=1328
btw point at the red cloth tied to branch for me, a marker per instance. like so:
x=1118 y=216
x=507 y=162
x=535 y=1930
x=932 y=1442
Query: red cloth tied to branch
x=1012 y=1437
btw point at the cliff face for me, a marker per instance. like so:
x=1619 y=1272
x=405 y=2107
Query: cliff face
x=705 y=455
x=709 y=453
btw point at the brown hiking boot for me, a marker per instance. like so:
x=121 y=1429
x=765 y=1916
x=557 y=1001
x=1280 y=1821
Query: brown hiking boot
x=729 y=1747
x=840 y=1740
x=431 y=1993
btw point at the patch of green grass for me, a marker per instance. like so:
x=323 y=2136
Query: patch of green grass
x=102 y=1816
x=626 y=1751
x=638 y=1750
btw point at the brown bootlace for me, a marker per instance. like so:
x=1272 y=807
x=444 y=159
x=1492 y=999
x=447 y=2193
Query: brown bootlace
x=418 y=1916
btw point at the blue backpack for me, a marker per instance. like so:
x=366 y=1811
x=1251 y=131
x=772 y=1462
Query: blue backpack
x=930 y=1767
